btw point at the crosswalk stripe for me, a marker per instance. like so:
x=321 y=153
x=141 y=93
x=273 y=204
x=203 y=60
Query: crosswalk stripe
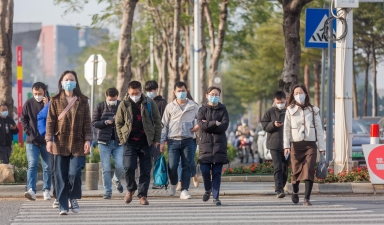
x=235 y=210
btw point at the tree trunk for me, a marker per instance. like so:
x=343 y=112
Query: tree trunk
x=161 y=63
x=355 y=100
x=124 y=58
x=366 y=83
x=306 y=77
x=216 y=49
x=317 y=72
x=203 y=54
x=6 y=33
x=374 y=73
x=291 y=27
x=259 y=106
x=174 y=63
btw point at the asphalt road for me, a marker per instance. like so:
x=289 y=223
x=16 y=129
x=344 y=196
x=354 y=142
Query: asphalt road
x=326 y=209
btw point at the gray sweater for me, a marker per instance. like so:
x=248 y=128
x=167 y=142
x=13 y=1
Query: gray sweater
x=178 y=121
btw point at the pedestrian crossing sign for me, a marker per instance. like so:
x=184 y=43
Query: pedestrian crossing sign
x=314 y=28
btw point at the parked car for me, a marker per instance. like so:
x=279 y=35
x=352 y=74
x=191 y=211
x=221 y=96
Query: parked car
x=360 y=137
x=367 y=121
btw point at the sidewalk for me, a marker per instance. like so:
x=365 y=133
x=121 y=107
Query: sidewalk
x=227 y=188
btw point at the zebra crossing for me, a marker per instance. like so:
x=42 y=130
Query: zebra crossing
x=172 y=210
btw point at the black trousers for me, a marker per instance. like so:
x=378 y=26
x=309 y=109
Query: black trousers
x=144 y=152
x=280 y=165
x=5 y=153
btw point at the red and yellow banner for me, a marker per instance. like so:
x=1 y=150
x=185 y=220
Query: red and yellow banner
x=19 y=74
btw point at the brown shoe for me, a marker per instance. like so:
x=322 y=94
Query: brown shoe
x=144 y=201
x=128 y=197
x=307 y=202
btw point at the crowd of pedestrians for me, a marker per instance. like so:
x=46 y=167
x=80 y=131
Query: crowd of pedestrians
x=141 y=127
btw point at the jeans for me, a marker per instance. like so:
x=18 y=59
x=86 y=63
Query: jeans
x=68 y=178
x=214 y=184
x=53 y=175
x=144 y=152
x=106 y=151
x=193 y=164
x=180 y=150
x=280 y=165
x=33 y=154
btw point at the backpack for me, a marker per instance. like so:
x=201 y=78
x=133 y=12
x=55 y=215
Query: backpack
x=160 y=175
x=149 y=107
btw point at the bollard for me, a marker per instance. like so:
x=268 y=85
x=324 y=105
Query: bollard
x=375 y=134
x=91 y=176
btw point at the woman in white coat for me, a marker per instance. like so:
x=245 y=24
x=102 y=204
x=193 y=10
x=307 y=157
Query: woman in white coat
x=302 y=129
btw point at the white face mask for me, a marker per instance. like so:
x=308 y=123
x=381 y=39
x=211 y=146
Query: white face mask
x=39 y=98
x=300 y=98
x=135 y=98
x=280 y=105
x=112 y=102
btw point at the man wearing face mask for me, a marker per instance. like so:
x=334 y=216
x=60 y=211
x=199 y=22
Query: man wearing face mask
x=180 y=124
x=138 y=126
x=36 y=144
x=103 y=119
x=152 y=88
x=7 y=129
x=273 y=124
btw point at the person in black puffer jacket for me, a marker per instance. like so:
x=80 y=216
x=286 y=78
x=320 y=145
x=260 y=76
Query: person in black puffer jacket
x=213 y=121
x=103 y=118
x=273 y=124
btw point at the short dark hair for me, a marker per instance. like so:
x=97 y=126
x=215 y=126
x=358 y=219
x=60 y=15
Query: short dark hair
x=3 y=104
x=213 y=88
x=39 y=85
x=279 y=95
x=134 y=85
x=112 y=92
x=151 y=85
x=180 y=84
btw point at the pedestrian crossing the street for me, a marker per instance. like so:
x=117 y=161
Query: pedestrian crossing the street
x=172 y=210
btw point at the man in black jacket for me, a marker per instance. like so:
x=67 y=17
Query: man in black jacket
x=103 y=119
x=152 y=88
x=7 y=129
x=273 y=124
x=36 y=144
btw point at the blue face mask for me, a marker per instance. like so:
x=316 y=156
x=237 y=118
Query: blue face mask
x=151 y=94
x=213 y=99
x=4 y=114
x=181 y=95
x=68 y=85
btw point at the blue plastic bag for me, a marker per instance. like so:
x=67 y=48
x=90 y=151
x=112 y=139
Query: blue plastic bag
x=160 y=175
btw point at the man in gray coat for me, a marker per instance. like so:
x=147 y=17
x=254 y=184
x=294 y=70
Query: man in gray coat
x=273 y=124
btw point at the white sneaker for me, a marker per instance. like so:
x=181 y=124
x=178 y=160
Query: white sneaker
x=185 y=195
x=75 y=206
x=30 y=194
x=172 y=190
x=55 y=204
x=63 y=213
x=47 y=195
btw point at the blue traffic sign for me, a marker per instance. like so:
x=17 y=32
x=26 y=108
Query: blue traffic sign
x=314 y=28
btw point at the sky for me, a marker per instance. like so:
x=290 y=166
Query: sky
x=46 y=12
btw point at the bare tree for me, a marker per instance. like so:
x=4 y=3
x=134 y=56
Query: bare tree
x=216 y=48
x=306 y=76
x=124 y=57
x=374 y=73
x=203 y=52
x=367 y=64
x=6 y=33
x=291 y=26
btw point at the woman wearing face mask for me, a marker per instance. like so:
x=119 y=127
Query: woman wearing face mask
x=68 y=136
x=213 y=120
x=302 y=129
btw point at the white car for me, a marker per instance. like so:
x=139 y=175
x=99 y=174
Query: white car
x=264 y=153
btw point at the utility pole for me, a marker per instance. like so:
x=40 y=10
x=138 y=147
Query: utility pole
x=196 y=50
x=329 y=150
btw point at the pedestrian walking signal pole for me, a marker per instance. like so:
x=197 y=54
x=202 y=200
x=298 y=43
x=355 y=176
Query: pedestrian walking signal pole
x=329 y=131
